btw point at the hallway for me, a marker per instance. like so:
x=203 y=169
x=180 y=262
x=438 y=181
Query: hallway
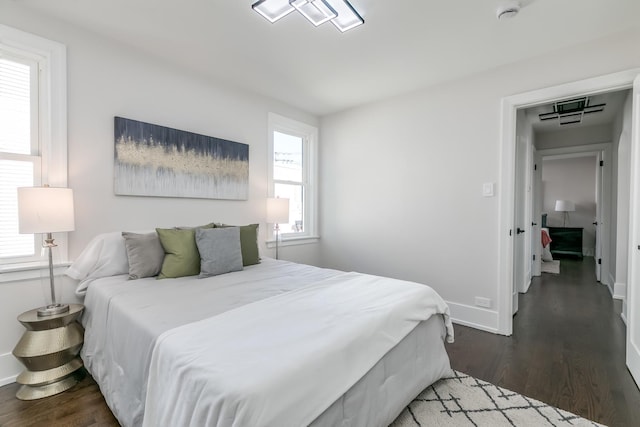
x=567 y=348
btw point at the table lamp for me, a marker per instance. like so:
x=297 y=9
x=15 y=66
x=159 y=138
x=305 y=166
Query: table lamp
x=277 y=213
x=46 y=210
x=565 y=206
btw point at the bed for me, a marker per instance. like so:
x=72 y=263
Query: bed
x=276 y=343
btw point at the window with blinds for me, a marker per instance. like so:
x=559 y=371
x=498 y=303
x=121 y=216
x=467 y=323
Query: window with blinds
x=19 y=150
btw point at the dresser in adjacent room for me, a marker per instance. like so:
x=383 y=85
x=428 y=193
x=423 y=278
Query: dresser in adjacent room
x=566 y=241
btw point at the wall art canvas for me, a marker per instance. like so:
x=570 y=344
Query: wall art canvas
x=152 y=160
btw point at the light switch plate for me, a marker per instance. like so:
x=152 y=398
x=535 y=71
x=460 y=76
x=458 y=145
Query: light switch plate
x=488 y=189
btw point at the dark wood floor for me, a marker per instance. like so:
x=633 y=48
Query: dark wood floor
x=567 y=350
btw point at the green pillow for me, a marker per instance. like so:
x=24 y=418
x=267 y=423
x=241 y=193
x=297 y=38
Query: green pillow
x=248 y=243
x=181 y=253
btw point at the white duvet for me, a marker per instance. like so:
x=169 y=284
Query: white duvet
x=275 y=344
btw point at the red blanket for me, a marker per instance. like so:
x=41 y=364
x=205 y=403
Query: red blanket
x=546 y=239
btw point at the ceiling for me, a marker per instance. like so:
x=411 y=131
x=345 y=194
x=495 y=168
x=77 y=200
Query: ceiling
x=404 y=45
x=614 y=103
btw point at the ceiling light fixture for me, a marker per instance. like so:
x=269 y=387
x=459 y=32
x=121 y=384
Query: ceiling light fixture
x=571 y=111
x=339 y=12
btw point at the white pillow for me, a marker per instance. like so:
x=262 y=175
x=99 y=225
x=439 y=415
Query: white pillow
x=105 y=255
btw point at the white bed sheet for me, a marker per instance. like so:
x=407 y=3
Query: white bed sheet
x=124 y=318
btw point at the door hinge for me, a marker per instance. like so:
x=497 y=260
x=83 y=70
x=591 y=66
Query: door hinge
x=601 y=163
x=599 y=260
x=535 y=167
x=534 y=257
x=512 y=230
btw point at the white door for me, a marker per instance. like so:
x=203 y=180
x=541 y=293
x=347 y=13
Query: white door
x=536 y=223
x=521 y=262
x=597 y=223
x=633 y=291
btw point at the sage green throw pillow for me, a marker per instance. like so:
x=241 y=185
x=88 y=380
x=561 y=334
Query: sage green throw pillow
x=181 y=256
x=248 y=243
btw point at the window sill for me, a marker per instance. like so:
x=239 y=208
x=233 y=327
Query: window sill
x=29 y=271
x=293 y=241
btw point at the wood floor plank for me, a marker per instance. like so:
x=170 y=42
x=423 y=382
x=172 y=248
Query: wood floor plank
x=567 y=350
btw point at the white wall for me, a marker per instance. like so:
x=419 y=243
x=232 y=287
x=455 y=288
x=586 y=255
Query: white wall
x=401 y=179
x=570 y=137
x=107 y=79
x=624 y=178
x=572 y=179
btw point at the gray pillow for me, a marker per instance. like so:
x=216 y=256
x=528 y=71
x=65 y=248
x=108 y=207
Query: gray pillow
x=219 y=250
x=145 y=254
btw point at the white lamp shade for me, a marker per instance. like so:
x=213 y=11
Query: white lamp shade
x=565 y=206
x=45 y=210
x=277 y=211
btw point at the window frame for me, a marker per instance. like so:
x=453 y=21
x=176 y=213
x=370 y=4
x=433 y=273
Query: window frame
x=309 y=135
x=51 y=60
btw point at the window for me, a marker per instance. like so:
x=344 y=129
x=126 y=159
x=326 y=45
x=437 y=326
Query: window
x=292 y=169
x=33 y=146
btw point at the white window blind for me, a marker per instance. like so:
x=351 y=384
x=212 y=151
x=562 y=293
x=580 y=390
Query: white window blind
x=19 y=150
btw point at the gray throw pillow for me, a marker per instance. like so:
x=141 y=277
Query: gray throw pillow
x=145 y=254
x=219 y=250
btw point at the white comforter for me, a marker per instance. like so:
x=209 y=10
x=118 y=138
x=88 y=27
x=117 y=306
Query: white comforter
x=124 y=320
x=283 y=360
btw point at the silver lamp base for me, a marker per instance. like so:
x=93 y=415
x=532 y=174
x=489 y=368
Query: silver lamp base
x=53 y=309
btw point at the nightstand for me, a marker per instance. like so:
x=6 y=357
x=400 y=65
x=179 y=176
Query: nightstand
x=49 y=350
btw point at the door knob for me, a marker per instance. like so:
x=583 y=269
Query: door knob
x=595 y=223
x=519 y=230
x=533 y=224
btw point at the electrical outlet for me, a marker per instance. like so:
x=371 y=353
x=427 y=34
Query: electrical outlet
x=483 y=302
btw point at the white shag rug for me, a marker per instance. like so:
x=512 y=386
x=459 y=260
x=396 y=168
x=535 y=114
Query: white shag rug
x=462 y=400
x=551 y=267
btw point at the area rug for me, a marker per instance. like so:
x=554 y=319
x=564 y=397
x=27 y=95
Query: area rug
x=462 y=400
x=551 y=267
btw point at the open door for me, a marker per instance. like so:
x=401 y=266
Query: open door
x=633 y=291
x=536 y=223
x=520 y=227
x=597 y=223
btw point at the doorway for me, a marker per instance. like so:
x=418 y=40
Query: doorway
x=507 y=222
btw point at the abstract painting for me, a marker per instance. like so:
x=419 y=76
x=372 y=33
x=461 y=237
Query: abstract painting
x=152 y=160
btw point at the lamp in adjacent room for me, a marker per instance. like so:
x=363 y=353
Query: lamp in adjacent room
x=565 y=206
x=277 y=213
x=46 y=210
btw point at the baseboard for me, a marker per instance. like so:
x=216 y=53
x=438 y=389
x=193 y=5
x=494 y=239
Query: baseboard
x=623 y=317
x=9 y=369
x=527 y=286
x=619 y=290
x=474 y=317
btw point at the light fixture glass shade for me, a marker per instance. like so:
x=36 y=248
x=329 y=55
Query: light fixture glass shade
x=347 y=17
x=316 y=11
x=273 y=10
x=45 y=210
x=565 y=206
x=277 y=210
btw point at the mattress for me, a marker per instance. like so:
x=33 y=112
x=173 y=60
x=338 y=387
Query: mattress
x=123 y=320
